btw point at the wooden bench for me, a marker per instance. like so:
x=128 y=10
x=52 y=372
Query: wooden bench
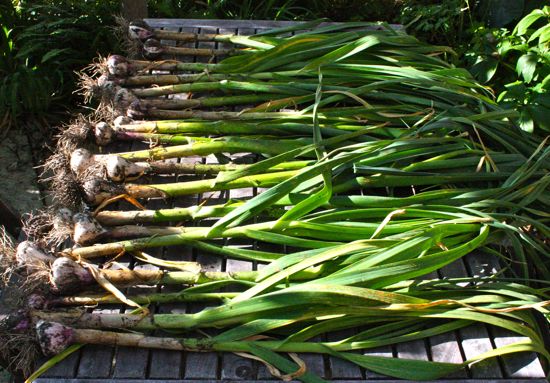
x=124 y=365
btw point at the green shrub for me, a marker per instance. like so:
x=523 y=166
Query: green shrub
x=437 y=22
x=43 y=43
x=335 y=10
x=517 y=65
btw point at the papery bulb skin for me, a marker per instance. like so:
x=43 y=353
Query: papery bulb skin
x=96 y=190
x=81 y=159
x=119 y=169
x=152 y=49
x=29 y=254
x=118 y=66
x=86 y=229
x=53 y=337
x=37 y=301
x=68 y=276
x=120 y=121
x=140 y=30
x=103 y=133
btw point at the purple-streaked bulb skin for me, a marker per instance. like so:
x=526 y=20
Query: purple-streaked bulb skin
x=118 y=66
x=86 y=229
x=108 y=86
x=152 y=49
x=22 y=326
x=29 y=254
x=123 y=98
x=68 y=276
x=37 y=301
x=63 y=220
x=103 y=133
x=18 y=322
x=103 y=86
x=54 y=337
x=139 y=30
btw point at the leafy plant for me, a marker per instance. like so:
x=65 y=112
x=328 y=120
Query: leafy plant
x=482 y=56
x=24 y=87
x=43 y=43
x=223 y=9
x=335 y=10
x=441 y=22
x=517 y=65
x=530 y=93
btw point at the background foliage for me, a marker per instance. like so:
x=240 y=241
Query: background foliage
x=42 y=44
x=504 y=44
x=336 y=10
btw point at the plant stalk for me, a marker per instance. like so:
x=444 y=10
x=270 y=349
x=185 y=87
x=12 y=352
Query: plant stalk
x=142 y=299
x=98 y=191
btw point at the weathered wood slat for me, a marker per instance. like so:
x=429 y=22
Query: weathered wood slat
x=96 y=362
x=249 y=24
x=385 y=351
x=65 y=370
x=342 y=369
x=226 y=30
x=476 y=339
x=130 y=363
x=201 y=366
x=264 y=375
x=514 y=366
x=315 y=363
x=165 y=364
x=524 y=365
x=446 y=347
x=416 y=349
x=236 y=367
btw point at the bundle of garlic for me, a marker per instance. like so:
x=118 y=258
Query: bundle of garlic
x=377 y=163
